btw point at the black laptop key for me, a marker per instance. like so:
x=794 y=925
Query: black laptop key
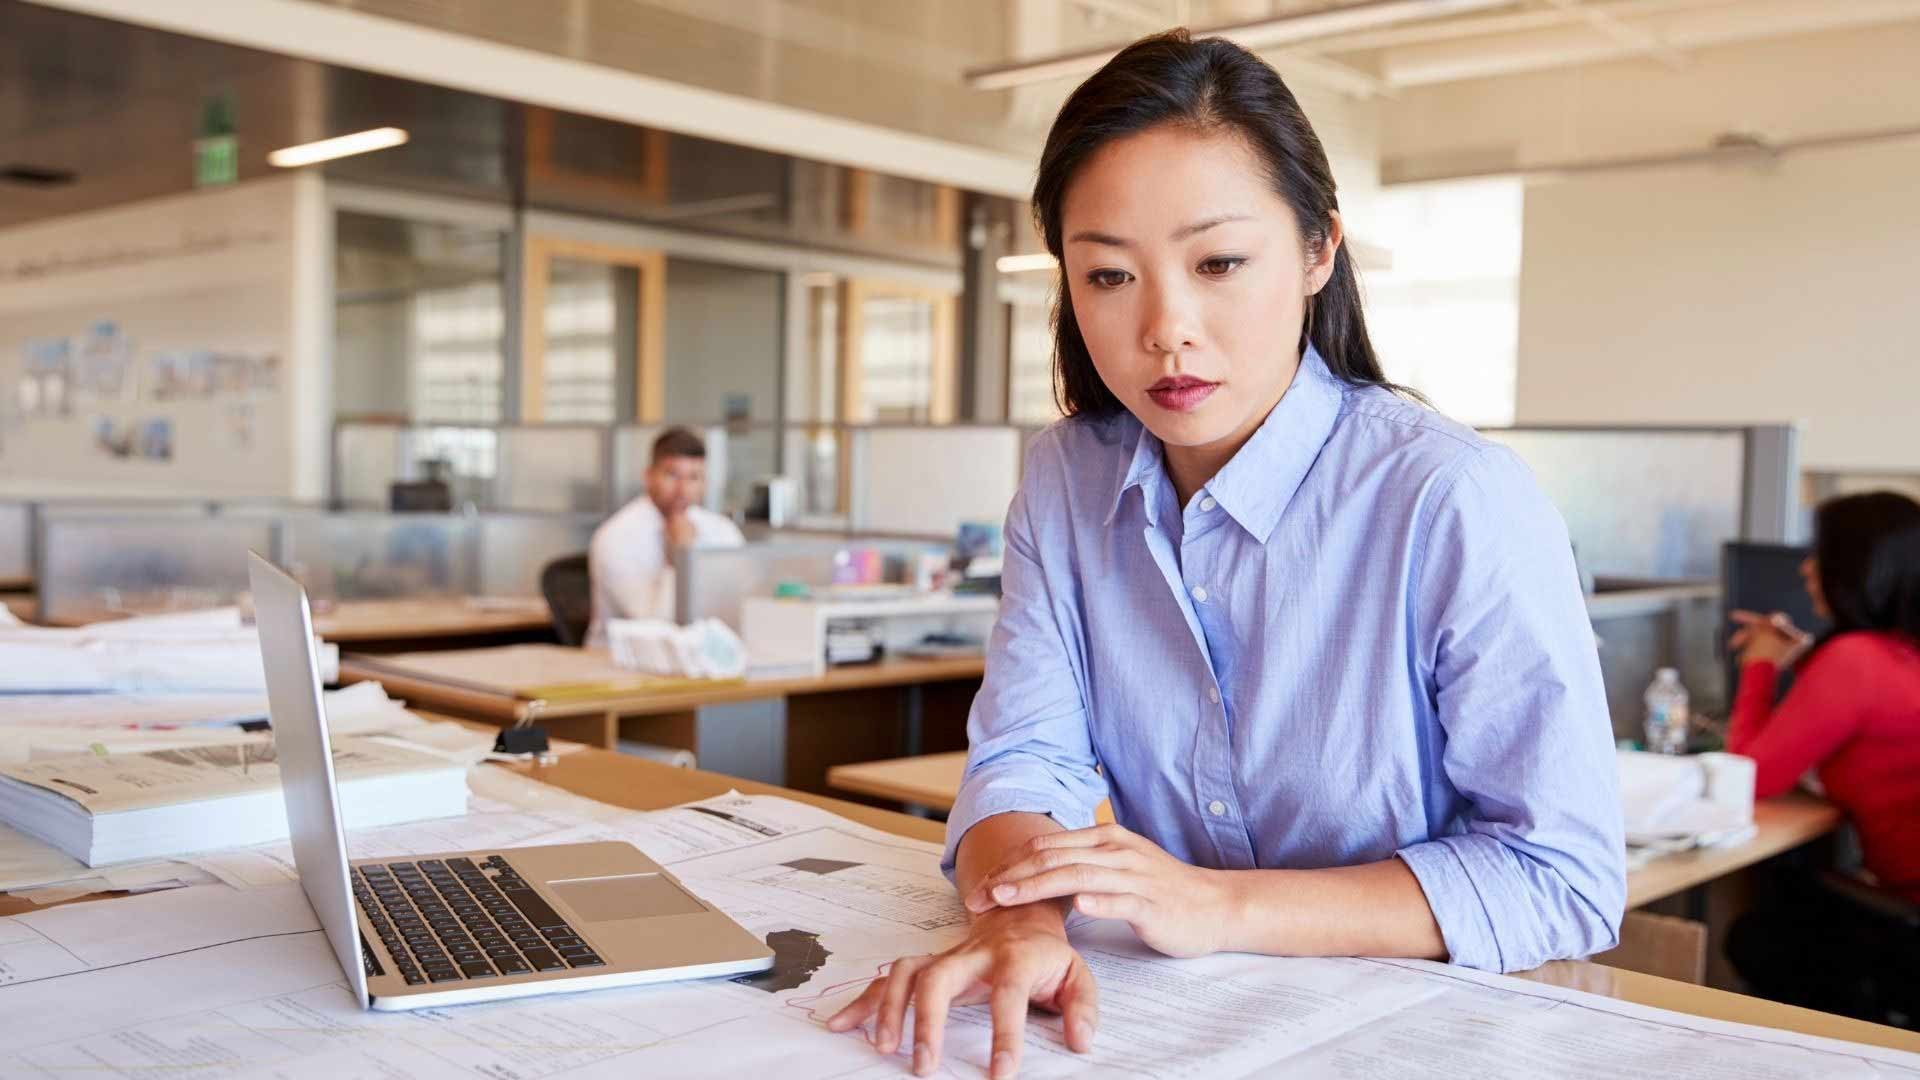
x=477 y=969
x=561 y=941
x=414 y=978
x=545 y=960
x=512 y=965
x=502 y=952
x=443 y=974
x=366 y=955
x=586 y=959
x=576 y=952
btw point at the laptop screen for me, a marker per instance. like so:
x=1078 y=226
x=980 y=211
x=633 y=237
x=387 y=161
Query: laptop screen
x=306 y=759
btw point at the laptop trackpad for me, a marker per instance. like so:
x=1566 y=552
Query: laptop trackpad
x=630 y=896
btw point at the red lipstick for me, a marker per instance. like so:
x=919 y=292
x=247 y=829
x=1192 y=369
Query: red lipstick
x=1181 y=393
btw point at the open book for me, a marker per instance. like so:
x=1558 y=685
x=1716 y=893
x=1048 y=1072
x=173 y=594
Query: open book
x=108 y=809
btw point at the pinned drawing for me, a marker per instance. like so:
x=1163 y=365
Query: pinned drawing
x=104 y=361
x=46 y=379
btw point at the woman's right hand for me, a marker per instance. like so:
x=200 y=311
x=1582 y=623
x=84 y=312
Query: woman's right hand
x=1011 y=957
x=1769 y=638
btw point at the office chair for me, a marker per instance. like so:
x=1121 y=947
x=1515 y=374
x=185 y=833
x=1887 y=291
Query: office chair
x=568 y=588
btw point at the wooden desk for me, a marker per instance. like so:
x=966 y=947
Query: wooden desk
x=930 y=780
x=852 y=713
x=644 y=785
x=24 y=605
x=444 y=695
x=1783 y=824
x=419 y=622
x=405 y=622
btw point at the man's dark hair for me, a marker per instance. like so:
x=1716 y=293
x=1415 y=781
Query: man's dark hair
x=678 y=442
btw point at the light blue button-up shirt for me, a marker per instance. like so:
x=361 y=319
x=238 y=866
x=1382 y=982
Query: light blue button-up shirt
x=1363 y=638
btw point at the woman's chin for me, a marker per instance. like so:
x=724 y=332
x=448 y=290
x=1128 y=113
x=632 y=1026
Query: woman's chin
x=1200 y=427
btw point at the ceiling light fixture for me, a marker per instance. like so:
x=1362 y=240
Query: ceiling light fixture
x=360 y=142
x=1258 y=34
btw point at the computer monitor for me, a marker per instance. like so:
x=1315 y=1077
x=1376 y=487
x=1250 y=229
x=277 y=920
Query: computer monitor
x=1764 y=578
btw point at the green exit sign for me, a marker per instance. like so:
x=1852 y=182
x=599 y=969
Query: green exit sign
x=216 y=153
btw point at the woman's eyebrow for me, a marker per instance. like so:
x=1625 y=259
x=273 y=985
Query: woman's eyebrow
x=1181 y=233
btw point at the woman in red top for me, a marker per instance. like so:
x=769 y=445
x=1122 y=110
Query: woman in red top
x=1853 y=717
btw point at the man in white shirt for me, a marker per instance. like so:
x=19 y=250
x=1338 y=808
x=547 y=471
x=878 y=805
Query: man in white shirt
x=631 y=556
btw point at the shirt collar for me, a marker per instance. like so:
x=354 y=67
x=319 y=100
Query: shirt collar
x=1255 y=487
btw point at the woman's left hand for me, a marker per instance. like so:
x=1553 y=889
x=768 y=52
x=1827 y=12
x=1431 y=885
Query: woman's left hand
x=1111 y=873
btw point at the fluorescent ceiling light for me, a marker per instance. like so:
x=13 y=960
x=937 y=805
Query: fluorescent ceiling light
x=360 y=142
x=1016 y=264
x=1258 y=34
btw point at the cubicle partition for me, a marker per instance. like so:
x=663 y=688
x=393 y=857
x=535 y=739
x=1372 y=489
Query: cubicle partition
x=534 y=468
x=92 y=563
x=365 y=555
x=1657 y=503
x=1648 y=511
x=712 y=582
x=928 y=480
x=512 y=549
x=16 y=545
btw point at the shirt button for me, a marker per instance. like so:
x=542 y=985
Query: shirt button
x=1216 y=808
x=1213 y=694
x=1208 y=503
x=1200 y=593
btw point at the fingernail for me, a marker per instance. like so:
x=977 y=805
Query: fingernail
x=976 y=901
x=1003 y=893
x=1082 y=1032
x=1002 y=1067
x=922 y=1060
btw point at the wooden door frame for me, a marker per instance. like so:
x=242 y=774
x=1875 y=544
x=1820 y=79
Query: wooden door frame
x=650 y=374
x=943 y=388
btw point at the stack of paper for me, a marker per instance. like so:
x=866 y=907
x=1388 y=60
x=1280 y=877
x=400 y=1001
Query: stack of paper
x=1673 y=803
x=35 y=726
x=220 y=981
x=105 y=809
x=196 y=652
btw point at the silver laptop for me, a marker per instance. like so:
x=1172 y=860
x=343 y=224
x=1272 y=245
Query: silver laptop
x=465 y=926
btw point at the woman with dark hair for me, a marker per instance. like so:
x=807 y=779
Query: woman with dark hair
x=1853 y=718
x=1853 y=714
x=1324 y=651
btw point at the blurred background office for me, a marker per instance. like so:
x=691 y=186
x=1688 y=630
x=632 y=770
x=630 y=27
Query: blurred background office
x=402 y=293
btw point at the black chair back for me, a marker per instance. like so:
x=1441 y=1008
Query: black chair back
x=568 y=588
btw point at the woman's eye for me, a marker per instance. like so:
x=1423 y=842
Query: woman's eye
x=1108 y=279
x=1221 y=266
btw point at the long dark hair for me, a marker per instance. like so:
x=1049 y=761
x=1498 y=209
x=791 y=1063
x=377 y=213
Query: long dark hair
x=1868 y=547
x=1211 y=84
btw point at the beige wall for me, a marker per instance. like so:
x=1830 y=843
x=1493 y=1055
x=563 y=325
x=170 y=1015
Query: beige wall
x=237 y=271
x=1727 y=294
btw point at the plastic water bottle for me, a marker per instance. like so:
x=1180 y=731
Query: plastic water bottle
x=1667 y=713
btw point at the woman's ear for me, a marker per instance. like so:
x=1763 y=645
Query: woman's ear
x=1320 y=266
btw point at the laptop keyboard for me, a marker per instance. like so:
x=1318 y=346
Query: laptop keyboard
x=444 y=920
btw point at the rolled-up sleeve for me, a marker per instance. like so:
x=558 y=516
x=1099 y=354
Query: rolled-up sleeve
x=1029 y=749
x=1533 y=869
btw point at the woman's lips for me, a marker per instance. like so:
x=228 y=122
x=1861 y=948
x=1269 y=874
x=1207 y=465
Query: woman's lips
x=1181 y=394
